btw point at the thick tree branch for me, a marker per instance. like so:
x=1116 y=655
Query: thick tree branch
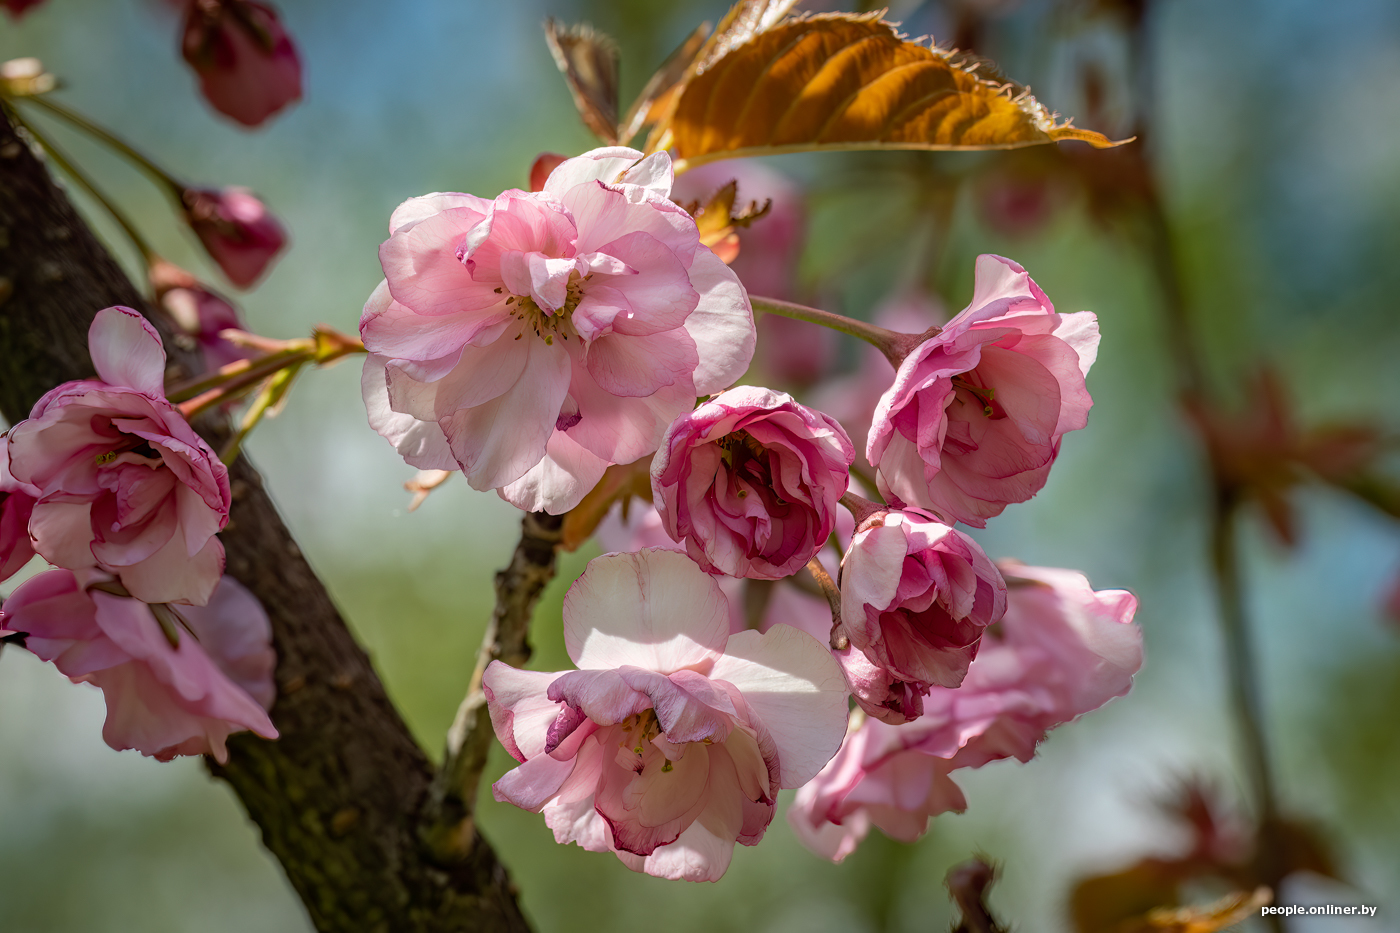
x=338 y=797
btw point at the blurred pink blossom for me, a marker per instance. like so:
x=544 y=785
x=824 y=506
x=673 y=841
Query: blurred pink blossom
x=792 y=353
x=916 y=596
x=1391 y=606
x=17 y=8
x=248 y=68
x=162 y=700
x=123 y=482
x=1061 y=650
x=237 y=231
x=750 y=481
x=16 y=504
x=974 y=419
x=200 y=313
x=671 y=741
x=533 y=340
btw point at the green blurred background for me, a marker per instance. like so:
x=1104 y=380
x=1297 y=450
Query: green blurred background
x=1278 y=144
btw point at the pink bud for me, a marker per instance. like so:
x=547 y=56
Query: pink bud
x=17 y=8
x=546 y=163
x=201 y=314
x=236 y=229
x=248 y=68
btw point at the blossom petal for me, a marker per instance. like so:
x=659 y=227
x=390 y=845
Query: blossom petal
x=790 y=681
x=126 y=351
x=653 y=609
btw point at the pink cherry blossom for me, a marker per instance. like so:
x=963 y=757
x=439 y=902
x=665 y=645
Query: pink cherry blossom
x=533 y=340
x=16 y=505
x=916 y=596
x=671 y=741
x=163 y=701
x=123 y=482
x=750 y=481
x=248 y=68
x=1061 y=650
x=974 y=419
x=237 y=231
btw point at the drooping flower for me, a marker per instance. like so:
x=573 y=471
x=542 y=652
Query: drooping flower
x=916 y=596
x=974 y=418
x=533 y=340
x=123 y=482
x=237 y=231
x=671 y=741
x=16 y=505
x=750 y=481
x=248 y=68
x=162 y=700
x=1062 y=650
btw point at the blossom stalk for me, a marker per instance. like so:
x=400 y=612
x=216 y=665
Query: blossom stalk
x=893 y=345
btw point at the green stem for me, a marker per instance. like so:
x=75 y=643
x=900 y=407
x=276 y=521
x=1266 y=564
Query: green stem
x=87 y=184
x=894 y=345
x=1244 y=687
x=160 y=176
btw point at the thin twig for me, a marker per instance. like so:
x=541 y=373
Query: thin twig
x=839 y=641
x=88 y=185
x=894 y=345
x=448 y=826
x=158 y=174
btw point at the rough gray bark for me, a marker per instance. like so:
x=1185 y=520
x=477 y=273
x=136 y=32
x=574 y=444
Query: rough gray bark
x=339 y=797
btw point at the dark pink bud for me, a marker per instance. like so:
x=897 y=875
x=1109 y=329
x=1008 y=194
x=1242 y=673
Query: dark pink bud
x=546 y=163
x=248 y=68
x=18 y=8
x=236 y=229
x=200 y=313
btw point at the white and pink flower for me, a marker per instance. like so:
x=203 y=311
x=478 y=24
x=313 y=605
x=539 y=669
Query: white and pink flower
x=533 y=340
x=974 y=419
x=163 y=700
x=122 y=482
x=750 y=482
x=671 y=741
x=916 y=596
x=1061 y=650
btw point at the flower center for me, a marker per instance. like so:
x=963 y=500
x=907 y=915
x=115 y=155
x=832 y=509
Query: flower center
x=547 y=324
x=984 y=394
x=743 y=454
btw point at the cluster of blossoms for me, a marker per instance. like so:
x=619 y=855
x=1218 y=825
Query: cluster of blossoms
x=107 y=481
x=535 y=340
